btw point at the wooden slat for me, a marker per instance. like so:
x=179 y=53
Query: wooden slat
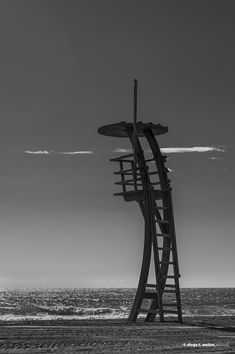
x=163 y=235
x=150 y=295
x=132 y=180
x=151 y=286
x=128 y=172
x=161 y=208
x=121 y=158
x=153 y=173
x=169 y=291
x=125 y=183
x=162 y=221
x=148 y=311
x=149 y=160
x=169 y=286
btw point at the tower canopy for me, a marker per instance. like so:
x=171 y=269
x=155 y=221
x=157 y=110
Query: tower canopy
x=120 y=129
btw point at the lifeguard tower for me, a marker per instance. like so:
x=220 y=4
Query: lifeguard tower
x=144 y=179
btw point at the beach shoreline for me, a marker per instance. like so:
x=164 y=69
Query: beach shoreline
x=204 y=334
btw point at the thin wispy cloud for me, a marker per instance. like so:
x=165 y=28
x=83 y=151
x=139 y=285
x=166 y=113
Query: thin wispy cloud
x=179 y=150
x=215 y=158
x=39 y=152
x=81 y=152
x=46 y=152
x=121 y=150
x=118 y=150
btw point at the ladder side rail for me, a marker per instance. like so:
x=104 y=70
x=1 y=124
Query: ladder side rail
x=169 y=212
x=147 y=238
x=150 y=219
x=143 y=275
x=175 y=260
x=158 y=301
x=159 y=160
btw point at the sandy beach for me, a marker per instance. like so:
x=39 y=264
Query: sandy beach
x=195 y=335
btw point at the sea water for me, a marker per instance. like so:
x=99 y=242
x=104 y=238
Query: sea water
x=53 y=304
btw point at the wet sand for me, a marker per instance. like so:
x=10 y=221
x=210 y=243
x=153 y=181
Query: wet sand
x=195 y=335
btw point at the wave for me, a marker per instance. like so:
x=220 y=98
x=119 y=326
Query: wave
x=63 y=312
x=56 y=304
x=79 y=311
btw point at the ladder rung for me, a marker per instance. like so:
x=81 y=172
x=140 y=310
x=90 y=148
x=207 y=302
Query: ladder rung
x=169 y=291
x=121 y=158
x=175 y=304
x=171 y=276
x=148 y=311
x=169 y=286
x=153 y=173
x=162 y=221
x=127 y=183
x=150 y=295
x=151 y=286
x=155 y=183
x=132 y=180
x=129 y=171
x=161 y=208
x=170 y=311
x=163 y=262
x=163 y=235
x=125 y=173
x=165 y=248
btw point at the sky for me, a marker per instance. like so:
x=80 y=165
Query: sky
x=67 y=67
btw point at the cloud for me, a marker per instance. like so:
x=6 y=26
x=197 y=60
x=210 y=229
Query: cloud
x=45 y=152
x=169 y=150
x=178 y=150
x=39 y=152
x=215 y=158
x=120 y=150
x=82 y=152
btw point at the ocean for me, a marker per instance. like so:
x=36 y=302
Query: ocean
x=54 y=304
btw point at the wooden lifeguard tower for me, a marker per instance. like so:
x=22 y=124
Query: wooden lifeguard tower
x=144 y=179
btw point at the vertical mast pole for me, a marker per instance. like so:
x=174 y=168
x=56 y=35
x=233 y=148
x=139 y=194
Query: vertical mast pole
x=135 y=132
x=135 y=102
